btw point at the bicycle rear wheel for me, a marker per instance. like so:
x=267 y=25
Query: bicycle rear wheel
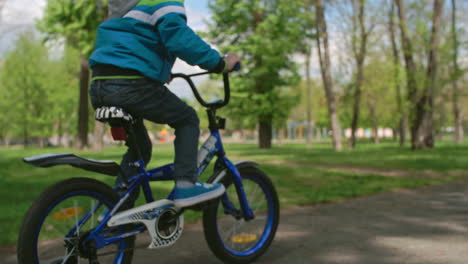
x=229 y=236
x=59 y=220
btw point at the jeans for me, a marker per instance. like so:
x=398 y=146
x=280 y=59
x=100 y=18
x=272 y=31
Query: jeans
x=151 y=100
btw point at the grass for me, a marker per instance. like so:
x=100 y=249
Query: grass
x=445 y=157
x=301 y=179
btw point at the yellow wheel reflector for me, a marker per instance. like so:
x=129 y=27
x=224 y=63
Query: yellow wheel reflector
x=67 y=213
x=244 y=238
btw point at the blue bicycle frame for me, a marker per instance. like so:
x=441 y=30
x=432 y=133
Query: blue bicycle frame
x=165 y=173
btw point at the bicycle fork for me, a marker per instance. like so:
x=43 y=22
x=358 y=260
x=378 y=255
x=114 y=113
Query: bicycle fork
x=237 y=180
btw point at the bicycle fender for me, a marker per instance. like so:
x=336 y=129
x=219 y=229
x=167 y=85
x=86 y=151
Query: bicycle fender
x=217 y=177
x=48 y=160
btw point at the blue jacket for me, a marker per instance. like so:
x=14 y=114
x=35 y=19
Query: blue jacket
x=149 y=38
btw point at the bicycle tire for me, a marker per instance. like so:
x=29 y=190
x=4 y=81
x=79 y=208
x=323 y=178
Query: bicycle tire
x=39 y=210
x=210 y=220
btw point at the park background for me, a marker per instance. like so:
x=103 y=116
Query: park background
x=336 y=99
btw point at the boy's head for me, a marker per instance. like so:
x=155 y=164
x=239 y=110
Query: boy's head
x=118 y=8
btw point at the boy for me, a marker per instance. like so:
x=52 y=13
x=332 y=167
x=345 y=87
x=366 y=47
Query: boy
x=135 y=52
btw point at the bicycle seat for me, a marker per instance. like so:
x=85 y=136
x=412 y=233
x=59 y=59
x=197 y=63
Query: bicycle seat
x=118 y=119
x=115 y=116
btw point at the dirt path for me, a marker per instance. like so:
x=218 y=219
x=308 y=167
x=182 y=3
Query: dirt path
x=424 y=226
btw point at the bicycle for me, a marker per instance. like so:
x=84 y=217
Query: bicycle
x=83 y=219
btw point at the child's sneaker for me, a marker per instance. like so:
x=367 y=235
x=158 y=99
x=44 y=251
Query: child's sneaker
x=200 y=192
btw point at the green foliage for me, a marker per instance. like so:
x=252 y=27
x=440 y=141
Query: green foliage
x=379 y=91
x=3 y=105
x=36 y=92
x=25 y=97
x=319 y=104
x=62 y=81
x=76 y=21
x=266 y=33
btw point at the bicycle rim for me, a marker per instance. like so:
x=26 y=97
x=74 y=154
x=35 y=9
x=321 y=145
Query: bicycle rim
x=240 y=237
x=66 y=220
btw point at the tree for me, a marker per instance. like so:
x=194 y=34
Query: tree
x=266 y=33
x=26 y=94
x=4 y=105
x=3 y=91
x=62 y=82
x=377 y=95
x=37 y=98
x=421 y=101
x=325 y=65
x=410 y=66
x=317 y=103
x=359 y=47
x=307 y=52
x=425 y=107
x=456 y=73
x=396 y=66
x=308 y=56
x=76 y=22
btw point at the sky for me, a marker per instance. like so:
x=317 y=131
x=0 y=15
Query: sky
x=18 y=16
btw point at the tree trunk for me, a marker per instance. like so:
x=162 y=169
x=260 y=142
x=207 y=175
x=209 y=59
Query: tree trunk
x=59 y=132
x=265 y=121
x=440 y=117
x=99 y=131
x=360 y=56
x=309 y=99
x=457 y=112
x=67 y=134
x=403 y=127
x=324 y=57
x=410 y=68
x=395 y=132
x=265 y=129
x=356 y=110
x=396 y=64
x=375 y=124
x=25 y=116
x=83 y=104
x=425 y=107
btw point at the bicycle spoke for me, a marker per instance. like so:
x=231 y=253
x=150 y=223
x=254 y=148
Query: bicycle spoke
x=240 y=235
x=93 y=203
x=68 y=256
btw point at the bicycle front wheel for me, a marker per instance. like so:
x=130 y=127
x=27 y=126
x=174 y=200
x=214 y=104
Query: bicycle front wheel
x=57 y=223
x=229 y=236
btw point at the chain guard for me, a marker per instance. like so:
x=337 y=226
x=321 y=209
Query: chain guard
x=161 y=219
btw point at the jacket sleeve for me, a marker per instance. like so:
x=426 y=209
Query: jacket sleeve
x=183 y=42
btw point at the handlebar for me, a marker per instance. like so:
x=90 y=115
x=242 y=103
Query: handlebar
x=216 y=104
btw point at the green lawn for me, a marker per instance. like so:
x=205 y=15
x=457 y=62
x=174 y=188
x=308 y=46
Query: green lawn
x=445 y=157
x=302 y=175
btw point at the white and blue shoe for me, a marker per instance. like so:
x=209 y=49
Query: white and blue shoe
x=198 y=193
